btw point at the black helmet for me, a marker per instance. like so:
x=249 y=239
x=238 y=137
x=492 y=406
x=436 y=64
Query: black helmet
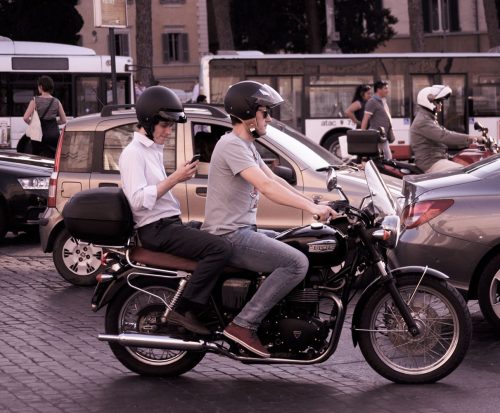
x=158 y=103
x=244 y=98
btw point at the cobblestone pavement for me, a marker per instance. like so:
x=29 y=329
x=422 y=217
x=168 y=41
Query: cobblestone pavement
x=51 y=361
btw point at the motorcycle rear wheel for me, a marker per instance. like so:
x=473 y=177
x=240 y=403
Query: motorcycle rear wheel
x=443 y=320
x=133 y=311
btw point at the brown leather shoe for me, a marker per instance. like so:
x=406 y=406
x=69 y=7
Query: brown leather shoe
x=189 y=322
x=246 y=338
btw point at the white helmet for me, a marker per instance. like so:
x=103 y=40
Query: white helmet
x=428 y=95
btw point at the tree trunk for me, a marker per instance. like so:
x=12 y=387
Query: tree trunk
x=416 y=25
x=491 y=13
x=313 y=27
x=223 y=24
x=144 y=42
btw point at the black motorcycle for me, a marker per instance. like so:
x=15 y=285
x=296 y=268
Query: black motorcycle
x=411 y=325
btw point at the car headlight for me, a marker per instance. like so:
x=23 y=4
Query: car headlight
x=37 y=182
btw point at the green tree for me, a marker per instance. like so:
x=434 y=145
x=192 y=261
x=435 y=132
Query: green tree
x=54 y=21
x=363 y=25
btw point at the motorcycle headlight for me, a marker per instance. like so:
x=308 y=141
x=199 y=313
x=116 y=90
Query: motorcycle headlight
x=37 y=182
x=389 y=234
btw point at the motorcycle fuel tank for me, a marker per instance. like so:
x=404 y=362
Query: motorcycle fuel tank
x=323 y=245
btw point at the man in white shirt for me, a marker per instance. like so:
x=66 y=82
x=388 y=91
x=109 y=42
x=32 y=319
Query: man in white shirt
x=156 y=210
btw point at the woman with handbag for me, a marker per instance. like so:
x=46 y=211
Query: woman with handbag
x=48 y=108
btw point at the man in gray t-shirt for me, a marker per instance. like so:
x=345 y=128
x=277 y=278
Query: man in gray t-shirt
x=236 y=177
x=377 y=115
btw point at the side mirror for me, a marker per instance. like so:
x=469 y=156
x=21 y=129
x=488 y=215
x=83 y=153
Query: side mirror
x=331 y=179
x=285 y=173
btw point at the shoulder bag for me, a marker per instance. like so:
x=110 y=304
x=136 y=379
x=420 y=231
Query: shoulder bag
x=34 y=129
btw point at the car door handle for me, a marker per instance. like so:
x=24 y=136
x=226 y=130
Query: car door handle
x=106 y=184
x=202 y=191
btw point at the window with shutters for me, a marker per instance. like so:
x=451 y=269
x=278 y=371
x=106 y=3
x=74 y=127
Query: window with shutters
x=441 y=16
x=175 y=47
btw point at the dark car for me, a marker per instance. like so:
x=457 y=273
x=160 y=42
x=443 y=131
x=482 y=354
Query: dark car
x=452 y=223
x=24 y=189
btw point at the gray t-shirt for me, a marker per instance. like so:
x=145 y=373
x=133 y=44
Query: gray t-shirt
x=231 y=201
x=379 y=116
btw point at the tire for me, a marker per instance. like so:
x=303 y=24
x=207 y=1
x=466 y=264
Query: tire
x=332 y=145
x=133 y=311
x=443 y=318
x=78 y=263
x=489 y=292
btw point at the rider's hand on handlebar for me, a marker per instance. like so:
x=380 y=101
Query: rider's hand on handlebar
x=477 y=139
x=323 y=212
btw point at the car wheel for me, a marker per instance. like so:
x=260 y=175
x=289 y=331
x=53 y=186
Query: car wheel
x=489 y=292
x=77 y=262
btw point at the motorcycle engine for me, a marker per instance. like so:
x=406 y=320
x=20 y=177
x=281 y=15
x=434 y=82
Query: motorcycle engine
x=295 y=328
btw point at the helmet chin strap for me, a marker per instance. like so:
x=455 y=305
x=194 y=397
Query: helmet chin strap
x=252 y=130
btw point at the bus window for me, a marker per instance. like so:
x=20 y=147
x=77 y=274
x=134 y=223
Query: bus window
x=219 y=86
x=484 y=98
x=396 y=98
x=21 y=98
x=291 y=89
x=87 y=95
x=454 y=108
x=331 y=95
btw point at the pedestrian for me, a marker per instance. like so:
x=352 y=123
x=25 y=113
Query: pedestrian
x=48 y=108
x=156 y=210
x=356 y=110
x=377 y=114
x=138 y=88
x=428 y=139
x=236 y=177
x=201 y=99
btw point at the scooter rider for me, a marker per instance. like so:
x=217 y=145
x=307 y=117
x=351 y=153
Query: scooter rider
x=156 y=210
x=236 y=178
x=430 y=141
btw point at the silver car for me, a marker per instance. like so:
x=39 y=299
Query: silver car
x=452 y=223
x=90 y=147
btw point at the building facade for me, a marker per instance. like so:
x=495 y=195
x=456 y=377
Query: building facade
x=449 y=26
x=180 y=38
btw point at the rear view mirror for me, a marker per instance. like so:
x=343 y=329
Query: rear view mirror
x=331 y=179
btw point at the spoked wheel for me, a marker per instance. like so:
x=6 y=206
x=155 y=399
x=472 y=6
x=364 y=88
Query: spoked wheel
x=445 y=331
x=134 y=311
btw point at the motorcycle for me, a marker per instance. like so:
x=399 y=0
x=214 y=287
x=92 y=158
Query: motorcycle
x=364 y=145
x=411 y=325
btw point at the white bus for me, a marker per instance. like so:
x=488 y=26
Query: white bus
x=318 y=88
x=82 y=81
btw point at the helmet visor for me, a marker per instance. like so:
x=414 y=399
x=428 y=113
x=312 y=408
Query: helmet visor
x=267 y=96
x=174 y=116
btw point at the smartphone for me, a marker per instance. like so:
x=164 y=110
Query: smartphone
x=195 y=158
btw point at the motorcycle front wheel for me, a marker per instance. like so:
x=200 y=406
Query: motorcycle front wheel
x=133 y=311
x=445 y=329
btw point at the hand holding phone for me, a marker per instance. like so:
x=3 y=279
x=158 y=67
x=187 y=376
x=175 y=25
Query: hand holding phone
x=195 y=158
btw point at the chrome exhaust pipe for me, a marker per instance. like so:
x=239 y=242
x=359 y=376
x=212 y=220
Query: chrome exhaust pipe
x=164 y=342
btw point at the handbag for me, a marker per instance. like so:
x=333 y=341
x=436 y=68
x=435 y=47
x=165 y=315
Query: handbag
x=34 y=129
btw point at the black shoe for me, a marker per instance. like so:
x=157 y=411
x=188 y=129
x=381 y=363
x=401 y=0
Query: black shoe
x=189 y=321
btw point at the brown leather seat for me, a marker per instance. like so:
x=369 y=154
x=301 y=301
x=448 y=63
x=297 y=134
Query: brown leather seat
x=161 y=260
x=167 y=261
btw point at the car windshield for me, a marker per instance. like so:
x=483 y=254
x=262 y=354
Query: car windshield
x=383 y=202
x=312 y=154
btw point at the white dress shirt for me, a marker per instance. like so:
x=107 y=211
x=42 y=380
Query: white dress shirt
x=141 y=169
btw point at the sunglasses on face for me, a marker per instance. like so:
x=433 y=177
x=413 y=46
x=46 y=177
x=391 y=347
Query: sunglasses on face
x=265 y=113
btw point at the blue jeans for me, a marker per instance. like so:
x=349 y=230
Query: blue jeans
x=259 y=252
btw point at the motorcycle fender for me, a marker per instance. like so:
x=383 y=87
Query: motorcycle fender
x=376 y=284
x=112 y=289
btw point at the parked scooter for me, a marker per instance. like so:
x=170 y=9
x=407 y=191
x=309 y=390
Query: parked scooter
x=411 y=325
x=365 y=145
